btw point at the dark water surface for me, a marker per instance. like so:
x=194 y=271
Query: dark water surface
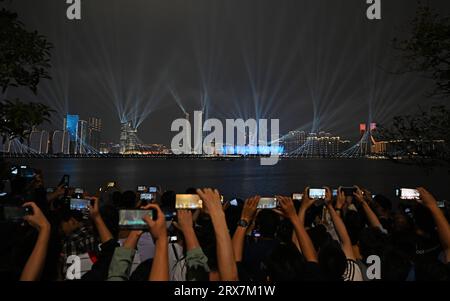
x=242 y=177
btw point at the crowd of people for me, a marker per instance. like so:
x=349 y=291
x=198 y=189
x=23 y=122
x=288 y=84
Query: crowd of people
x=335 y=238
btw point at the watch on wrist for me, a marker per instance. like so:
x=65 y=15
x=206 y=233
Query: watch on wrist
x=243 y=223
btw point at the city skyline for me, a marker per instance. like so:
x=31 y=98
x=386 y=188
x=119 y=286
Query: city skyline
x=78 y=137
x=294 y=62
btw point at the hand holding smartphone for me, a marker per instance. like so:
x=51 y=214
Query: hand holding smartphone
x=317 y=193
x=407 y=194
x=134 y=219
x=267 y=203
x=188 y=201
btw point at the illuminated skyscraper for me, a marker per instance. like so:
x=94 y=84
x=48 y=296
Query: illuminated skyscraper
x=83 y=146
x=293 y=141
x=71 y=126
x=60 y=142
x=128 y=138
x=39 y=142
x=95 y=130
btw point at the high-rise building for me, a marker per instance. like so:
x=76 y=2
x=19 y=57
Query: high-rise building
x=95 y=130
x=60 y=142
x=39 y=142
x=71 y=126
x=322 y=144
x=83 y=146
x=293 y=141
x=128 y=138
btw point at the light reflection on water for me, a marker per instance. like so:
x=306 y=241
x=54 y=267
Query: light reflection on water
x=241 y=177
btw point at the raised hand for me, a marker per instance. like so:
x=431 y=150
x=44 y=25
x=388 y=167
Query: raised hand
x=367 y=195
x=250 y=207
x=157 y=227
x=340 y=201
x=185 y=220
x=211 y=200
x=427 y=198
x=306 y=201
x=359 y=195
x=158 y=230
x=37 y=220
x=94 y=210
x=35 y=263
x=287 y=207
x=225 y=255
x=94 y=213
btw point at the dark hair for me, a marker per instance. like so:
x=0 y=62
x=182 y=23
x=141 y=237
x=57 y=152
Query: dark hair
x=395 y=264
x=285 y=263
x=116 y=198
x=110 y=216
x=424 y=219
x=64 y=215
x=267 y=223
x=142 y=271
x=232 y=215
x=18 y=186
x=332 y=261
x=383 y=201
x=319 y=236
x=354 y=225
x=168 y=199
x=371 y=242
x=128 y=200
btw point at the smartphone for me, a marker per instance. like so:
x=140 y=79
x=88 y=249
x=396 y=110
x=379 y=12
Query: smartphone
x=334 y=193
x=111 y=184
x=267 y=203
x=133 y=219
x=407 y=194
x=23 y=171
x=441 y=204
x=14 y=170
x=79 y=204
x=65 y=181
x=153 y=189
x=348 y=191
x=188 y=201
x=14 y=213
x=297 y=196
x=256 y=234
x=170 y=215
x=234 y=202
x=316 y=193
x=27 y=172
x=141 y=188
x=147 y=197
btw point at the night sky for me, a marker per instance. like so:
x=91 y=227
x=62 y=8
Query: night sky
x=313 y=64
